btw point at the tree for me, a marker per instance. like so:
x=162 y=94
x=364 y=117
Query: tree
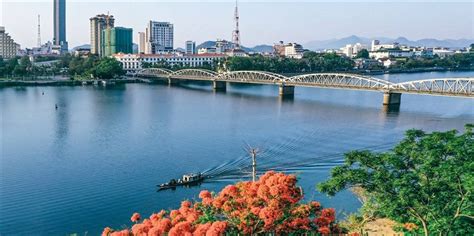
x=363 y=54
x=271 y=205
x=108 y=68
x=3 y=66
x=471 y=48
x=427 y=179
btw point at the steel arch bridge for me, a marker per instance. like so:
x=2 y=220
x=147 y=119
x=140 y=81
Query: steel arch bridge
x=463 y=87
x=459 y=87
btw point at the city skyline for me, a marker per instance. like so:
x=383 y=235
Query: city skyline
x=304 y=22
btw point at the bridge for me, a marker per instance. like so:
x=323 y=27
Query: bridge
x=453 y=87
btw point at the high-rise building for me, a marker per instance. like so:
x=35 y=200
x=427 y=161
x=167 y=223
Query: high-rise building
x=98 y=24
x=141 y=42
x=190 y=47
x=59 y=38
x=116 y=40
x=159 y=37
x=8 y=47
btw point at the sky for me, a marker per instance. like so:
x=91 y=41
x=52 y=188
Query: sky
x=261 y=22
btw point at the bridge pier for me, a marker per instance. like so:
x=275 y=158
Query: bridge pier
x=172 y=81
x=219 y=85
x=286 y=90
x=392 y=99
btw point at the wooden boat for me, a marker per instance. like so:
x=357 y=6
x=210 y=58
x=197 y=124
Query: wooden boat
x=186 y=180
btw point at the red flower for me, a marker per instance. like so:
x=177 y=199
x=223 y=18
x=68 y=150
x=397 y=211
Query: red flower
x=135 y=217
x=106 y=231
x=217 y=229
x=205 y=194
x=271 y=204
x=201 y=229
x=180 y=229
x=324 y=230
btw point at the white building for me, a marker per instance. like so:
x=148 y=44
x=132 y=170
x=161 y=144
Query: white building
x=159 y=37
x=141 y=42
x=8 y=47
x=211 y=50
x=351 y=50
x=45 y=49
x=290 y=50
x=377 y=46
x=294 y=50
x=133 y=62
x=390 y=53
x=223 y=46
x=388 y=62
x=442 y=52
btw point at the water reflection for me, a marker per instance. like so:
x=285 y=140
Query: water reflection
x=62 y=112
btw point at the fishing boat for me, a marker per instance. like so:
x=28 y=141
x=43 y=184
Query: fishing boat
x=186 y=180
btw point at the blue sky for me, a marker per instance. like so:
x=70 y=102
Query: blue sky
x=262 y=22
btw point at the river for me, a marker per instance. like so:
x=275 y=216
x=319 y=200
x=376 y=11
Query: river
x=97 y=158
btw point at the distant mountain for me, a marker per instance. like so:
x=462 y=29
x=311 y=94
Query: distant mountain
x=259 y=48
x=263 y=48
x=338 y=43
x=207 y=44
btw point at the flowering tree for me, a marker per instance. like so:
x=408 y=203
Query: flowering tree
x=425 y=183
x=269 y=205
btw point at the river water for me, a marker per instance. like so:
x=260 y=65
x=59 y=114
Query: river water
x=97 y=158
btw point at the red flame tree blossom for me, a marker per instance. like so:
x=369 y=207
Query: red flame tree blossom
x=269 y=205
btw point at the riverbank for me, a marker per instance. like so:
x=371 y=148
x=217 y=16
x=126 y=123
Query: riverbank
x=13 y=83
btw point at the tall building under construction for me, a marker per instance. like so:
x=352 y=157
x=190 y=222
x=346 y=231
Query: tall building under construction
x=116 y=40
x=98 y=24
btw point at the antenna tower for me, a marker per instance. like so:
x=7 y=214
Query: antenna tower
x=236 y=32
x=39 y=31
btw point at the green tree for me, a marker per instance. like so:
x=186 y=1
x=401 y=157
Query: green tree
x=363 y=54
x=3 y=67
x=471 y=47
x=108 y=68
x=427 y=179
x=24 y=67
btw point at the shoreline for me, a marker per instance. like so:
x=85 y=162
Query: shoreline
x=13 y=83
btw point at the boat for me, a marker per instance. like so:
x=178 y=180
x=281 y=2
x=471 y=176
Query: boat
x=186 y=180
